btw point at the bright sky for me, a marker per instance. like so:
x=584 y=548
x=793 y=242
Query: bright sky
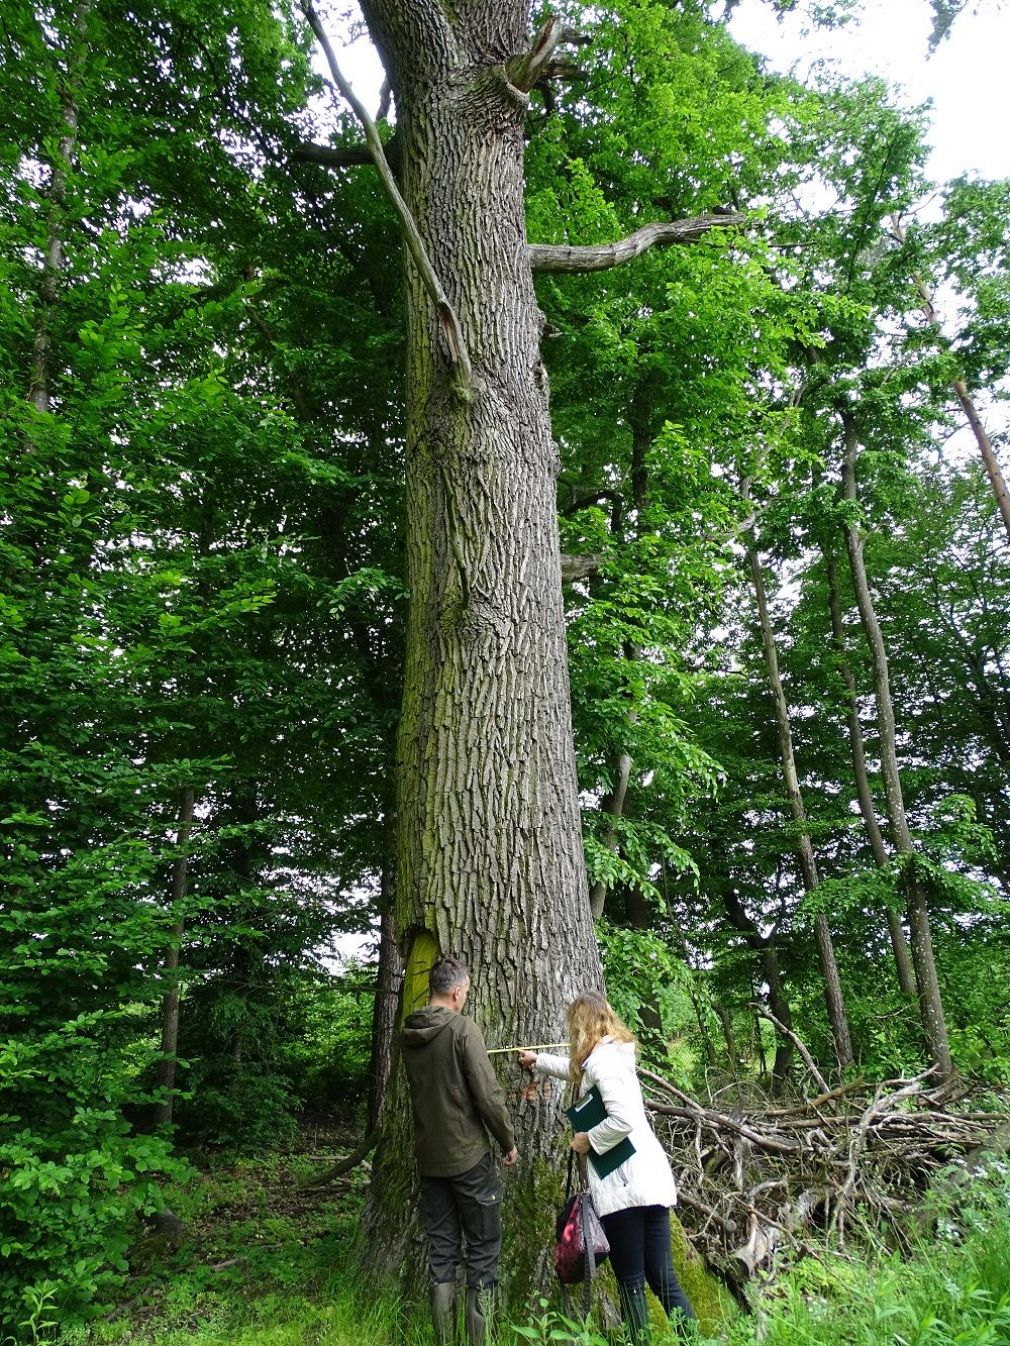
x=965 y=78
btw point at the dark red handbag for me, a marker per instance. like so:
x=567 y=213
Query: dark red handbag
x=581 y=1243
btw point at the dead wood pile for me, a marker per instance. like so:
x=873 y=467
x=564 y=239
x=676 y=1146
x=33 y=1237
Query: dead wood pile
x=755 y=1180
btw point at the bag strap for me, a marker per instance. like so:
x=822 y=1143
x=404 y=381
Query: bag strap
x=587 y=1243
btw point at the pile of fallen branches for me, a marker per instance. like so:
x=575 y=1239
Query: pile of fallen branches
x=756 y=1181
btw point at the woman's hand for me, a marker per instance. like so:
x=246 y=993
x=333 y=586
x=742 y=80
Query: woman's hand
x=580 y=1142
x=527 y=1060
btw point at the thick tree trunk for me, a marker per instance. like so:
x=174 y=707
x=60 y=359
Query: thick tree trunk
x=489 y=854
x=930 y=1002
x=899 y=944
x=833 y=998
x=162 y=1110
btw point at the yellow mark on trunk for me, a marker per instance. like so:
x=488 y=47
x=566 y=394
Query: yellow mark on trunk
x=422 y=957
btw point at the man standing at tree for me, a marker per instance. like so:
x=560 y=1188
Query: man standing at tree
x=455 y=1095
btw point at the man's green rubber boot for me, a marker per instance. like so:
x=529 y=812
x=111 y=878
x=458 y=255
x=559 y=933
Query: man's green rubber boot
x=478 y=1309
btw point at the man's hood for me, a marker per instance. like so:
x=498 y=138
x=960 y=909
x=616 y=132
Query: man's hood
x=424 y=1025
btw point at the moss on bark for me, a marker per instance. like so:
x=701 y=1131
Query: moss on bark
x=710 y=1299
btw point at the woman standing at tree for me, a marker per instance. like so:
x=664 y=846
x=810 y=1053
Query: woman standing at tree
x=633 y=1201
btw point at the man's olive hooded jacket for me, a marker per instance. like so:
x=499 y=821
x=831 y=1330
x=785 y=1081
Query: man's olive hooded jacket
x=454 y=1092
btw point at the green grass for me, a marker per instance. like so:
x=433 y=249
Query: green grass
x=267 y=1264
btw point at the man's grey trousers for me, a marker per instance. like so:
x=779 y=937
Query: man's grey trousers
x=461 y=1217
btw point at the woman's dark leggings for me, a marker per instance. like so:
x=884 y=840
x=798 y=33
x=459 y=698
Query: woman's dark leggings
x=639 y=1239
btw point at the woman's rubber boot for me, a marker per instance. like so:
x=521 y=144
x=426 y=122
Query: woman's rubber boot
x=443 y=1311
x=478 y=1308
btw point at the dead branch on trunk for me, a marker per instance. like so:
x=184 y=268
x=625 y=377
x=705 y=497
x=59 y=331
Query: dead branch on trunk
x=447 y=319
x=343 y=1166
x=601 y=256
x=808 y=1060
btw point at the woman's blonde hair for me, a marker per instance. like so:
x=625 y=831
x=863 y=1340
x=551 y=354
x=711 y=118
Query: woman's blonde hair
x=590 y=1018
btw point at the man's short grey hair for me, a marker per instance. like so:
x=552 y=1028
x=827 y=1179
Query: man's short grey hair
x=446 y=975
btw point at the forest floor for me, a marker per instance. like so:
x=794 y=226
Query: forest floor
x=264 y=1258
x=268 y=1261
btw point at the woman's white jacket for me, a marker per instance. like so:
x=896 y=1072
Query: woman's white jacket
x=645 y=1179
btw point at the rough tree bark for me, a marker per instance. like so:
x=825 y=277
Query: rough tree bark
x=387 y=1001
x=899 y=944
x=833 y=998
x=489 y=858
x=930 y=1003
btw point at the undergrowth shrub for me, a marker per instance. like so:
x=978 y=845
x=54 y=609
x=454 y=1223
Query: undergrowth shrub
x=73 y=1175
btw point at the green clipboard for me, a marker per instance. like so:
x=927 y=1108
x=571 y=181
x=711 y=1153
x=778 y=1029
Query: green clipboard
x=589 y=1112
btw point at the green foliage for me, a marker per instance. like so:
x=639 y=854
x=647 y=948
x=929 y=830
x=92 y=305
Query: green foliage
x=329 y=1060
x=551 y=1326
x=657 y=995
x=75 y=1173
x=203 y=585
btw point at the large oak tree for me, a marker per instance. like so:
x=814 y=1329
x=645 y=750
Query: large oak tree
x=489 y=850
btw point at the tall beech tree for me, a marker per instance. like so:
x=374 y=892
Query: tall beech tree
x=834 y=999
x=867 y=807
x=923 y=959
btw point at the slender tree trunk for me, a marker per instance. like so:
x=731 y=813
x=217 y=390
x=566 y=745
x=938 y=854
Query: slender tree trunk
x=389 y=982
x=729 y=1037
x=40 y=378
x=899 y=944
x=771 y=968
x=985 y=448
x=162 y=1111
x=780 y=1007
x=613 y=804
x=489 y=854
x=640 y=417
x=759 y=1049
x=930 y=1002
x=834 y=1000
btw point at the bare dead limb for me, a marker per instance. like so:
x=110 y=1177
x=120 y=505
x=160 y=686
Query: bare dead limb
x=333 y=156
x=808 y=1060
x=579 y=567
x=599 y=257
x=448 y=321
x=345 y=1165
